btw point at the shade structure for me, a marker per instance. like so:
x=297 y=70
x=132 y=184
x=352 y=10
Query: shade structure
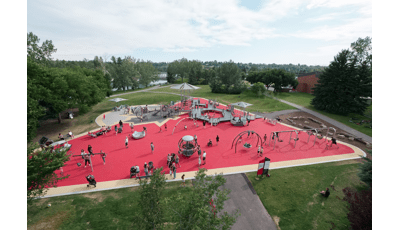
x=183 y=88
x=241 y=104
x=118 y=99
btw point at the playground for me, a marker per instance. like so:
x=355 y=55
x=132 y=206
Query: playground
x=229 y=156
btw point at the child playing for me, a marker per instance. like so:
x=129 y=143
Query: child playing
x=183 y=180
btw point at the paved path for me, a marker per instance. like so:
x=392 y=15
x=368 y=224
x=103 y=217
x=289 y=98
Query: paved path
x=143 y=90
x=243 y=197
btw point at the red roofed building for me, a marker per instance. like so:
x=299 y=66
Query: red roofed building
x=307 y=81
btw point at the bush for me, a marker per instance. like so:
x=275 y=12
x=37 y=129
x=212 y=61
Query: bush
x=360 y=208
x=258 y=88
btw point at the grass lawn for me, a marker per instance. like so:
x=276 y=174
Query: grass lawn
x=291 y=195
x=260 y=104
x=112 y=209
x=304 y=99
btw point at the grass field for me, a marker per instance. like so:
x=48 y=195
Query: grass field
x=291 y=195
x=112 y=209
x=260 y=104
x=304 y=99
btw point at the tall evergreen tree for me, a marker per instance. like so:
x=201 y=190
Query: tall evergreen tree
x=342 y=85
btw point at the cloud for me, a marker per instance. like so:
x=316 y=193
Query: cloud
x=88 y=28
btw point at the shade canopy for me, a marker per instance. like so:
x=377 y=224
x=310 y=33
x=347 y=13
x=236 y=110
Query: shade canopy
x=185 y=86
x=118 y=99
x=241 y=104
x=187 y=138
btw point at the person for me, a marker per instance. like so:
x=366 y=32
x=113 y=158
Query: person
x=325 y=193
x=199 y=159
x=217 y=139
x=204 y=124
x=240 y=139
x=204 y=157
x=183 y=180
x=199 y=151
x=262 y=151
x=126 y=142
x=82 y=154
x=170 y=168
x=152 y=147
x=60 y=136
x=104 y=116
x=160 y=130
x=265 y=139
x=333 y=141
x=132 y=127
x=70 y=134
x=120 y=123
x=165 y=125
x=209 y=143
x=177 y=161
x=87 y=159
x=248 y=122
x=103 y=156
x=258 y=150
x=116 y=130
x=185 y=127
x=174 y=170
x=195 y=139
x=137 y=172
x=146 y=169
x=168 y=159
x=90 y=149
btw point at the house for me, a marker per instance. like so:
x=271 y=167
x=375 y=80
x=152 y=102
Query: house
x=307 y=81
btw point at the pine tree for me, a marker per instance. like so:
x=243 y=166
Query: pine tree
x=341 y=86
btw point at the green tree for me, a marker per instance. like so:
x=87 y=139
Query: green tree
x=40 y=54
x=342 y=86
x=41 y=170
x=150 y=202
x=365 y=173
x=146 y=72
x=258 y=88
x=204 y=208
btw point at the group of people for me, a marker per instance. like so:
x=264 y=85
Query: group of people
x=69 y=134
x=209 y=144
x=86 y=156
x=172 y=162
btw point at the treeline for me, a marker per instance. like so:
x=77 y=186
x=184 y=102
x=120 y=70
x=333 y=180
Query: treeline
x=51 y=90
x=122 y=73
x=276 y=77
x=247 y=67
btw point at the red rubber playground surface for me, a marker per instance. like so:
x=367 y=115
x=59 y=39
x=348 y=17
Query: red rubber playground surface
x=120 y=159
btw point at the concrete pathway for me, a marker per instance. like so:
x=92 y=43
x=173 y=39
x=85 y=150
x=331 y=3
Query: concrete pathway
x=243 y=197
x=143 y=90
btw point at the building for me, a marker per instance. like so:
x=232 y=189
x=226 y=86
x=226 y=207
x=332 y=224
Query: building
x=307 y=81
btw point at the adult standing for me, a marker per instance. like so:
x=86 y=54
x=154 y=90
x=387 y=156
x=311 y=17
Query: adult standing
x=217 y=139
x=116 y=130
x=87 y=159
x=168 y=159
x=174 y=169
x=126 y=142
x=82 y=154
x=146 y=169
x=204 y=124
x=90 y=149
x=204 y=157
x=177 y=161
x=199 y=159
x=120 y=123
x=199 y=151
x=195 y=139
x=137 y=172
x=103 y=156
x=152 y=147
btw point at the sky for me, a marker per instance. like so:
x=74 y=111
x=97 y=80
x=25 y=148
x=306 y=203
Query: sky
x=307 y=32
